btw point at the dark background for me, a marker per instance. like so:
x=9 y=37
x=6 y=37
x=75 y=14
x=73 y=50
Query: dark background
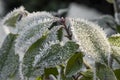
x=53 y=5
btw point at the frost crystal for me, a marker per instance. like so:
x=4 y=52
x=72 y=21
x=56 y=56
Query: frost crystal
x=91 y=39
x=115 y=40
x=28 y=37
x=10 y=20
x=13 y=13
x=116 y=35
x=33 y=19
x=51 y=40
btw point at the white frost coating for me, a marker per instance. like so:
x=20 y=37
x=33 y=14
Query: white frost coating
x=20 y=71
x=43 y=51
x=91 y=38
x=6 y=29
x=34 y=18
x=115 y=35
x=27 y=38
x=13 y=13
x=51 y=40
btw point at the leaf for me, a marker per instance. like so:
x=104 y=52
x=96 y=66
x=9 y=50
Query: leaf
x=38 y=78
x=91 y=39
x=104 y=72
x=115 y=40
x=117 y=73
x=44 y=42
x=74 y=64
x=13 y=17
x=8 y=60
x=116 y=53
x=115 y=45
x=54 y=55
x=29 y=56
x=87 y=75
x=60 y=34
x=51 y=71
x=33 y=19
x=28 y=37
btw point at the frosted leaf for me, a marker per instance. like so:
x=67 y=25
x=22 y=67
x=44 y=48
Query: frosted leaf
x=28 y=37
x=91 y=39
x=115 y=40
x=11 y=18
x=55 y=55
x=33 y=19
x=50 y=40
x=116 y=53
x=104 y=72
x=35 y=48
x=8 y=60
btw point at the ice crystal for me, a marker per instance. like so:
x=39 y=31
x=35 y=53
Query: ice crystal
x=115 y=40
x=29 y=36
x=10 y=20
x=91 y=39
x=33 y=19
x=51 y=40
x=43 y=44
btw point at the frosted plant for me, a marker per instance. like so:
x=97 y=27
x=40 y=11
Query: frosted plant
x=115 y=40
x=52 y=39
x=10 y=20
x=35 y=18
x=39 y=48
x=91 y=38
x=27 y=38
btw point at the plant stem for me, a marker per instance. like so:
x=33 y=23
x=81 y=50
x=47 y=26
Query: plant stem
x=67 y=29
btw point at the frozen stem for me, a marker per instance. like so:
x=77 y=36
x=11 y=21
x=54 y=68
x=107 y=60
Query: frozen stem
x=67 y=29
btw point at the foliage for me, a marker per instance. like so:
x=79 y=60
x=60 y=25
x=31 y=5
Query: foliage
x=43 y=47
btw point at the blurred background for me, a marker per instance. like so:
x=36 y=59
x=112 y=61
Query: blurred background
x=101 y=6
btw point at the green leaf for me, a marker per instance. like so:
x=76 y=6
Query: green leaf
x=30 y=36
x=87 y=75
x=52 y=56
x=60 y=34
x=38 y=78
x=91 y=39
x=29 y=56
x=34 y=19
x=117 y=73
x=49 y=71
x=35 y=49
x=115 y=40
x=12 y=18
x=74 y=64
x=104 y=72
x=9 y=61
x=116 y=53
